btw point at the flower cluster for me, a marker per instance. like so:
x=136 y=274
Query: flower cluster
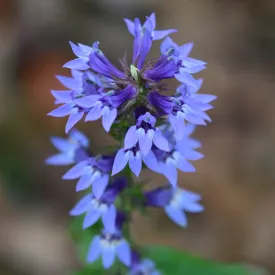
x=152 y=124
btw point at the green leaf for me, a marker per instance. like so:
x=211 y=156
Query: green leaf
x=174 y=262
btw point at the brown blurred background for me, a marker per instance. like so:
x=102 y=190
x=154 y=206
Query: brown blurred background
x=237 y=175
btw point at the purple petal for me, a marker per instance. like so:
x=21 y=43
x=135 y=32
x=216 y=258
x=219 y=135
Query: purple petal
x=185 y=166
x=131 y=138
x=109 y=218
x=68 y=82
x=100 y=185
x=178 y=125
x=124 y=253
x=135 y=163
x=108 y=257
x=176 y=215
x=87 y=101
x=94 y=250
x=192 y=207
x=192 y=155
x=77 y=64
x=151 y=162
x=91 y=218
x=76 y=171
x=73 y=119
x=84 y=182
x=157 y=35
x=62 y=111
x=95 y=113
x=108 y=118
x=130 y=25
x=120 y=161
x=59 y=159
x=160 y=141
x=82 y=206
x=152 y=19
x=62 y=96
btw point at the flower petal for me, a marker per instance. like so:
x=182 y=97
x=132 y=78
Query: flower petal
x=61 y=111
x=87 y=101
x=108 y=118
x=100 y=185
x=82 y=206
x=108 y=257
x=77 y=64
x=151 y=162
x=94 y=250
x=124 y=253
x=131 y=138
x=84 y=182
x=135 y=163
x=95 y=113
x=109 y=218
x=59 y=159
x=176 y=215
x=76 y=171
x=160 y=141
x=91 y=218
x=73 y=119
x=121 y=160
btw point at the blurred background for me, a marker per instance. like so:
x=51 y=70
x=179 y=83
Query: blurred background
x=237 y=176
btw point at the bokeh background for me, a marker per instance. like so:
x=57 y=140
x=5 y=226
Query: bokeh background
x=237 y=175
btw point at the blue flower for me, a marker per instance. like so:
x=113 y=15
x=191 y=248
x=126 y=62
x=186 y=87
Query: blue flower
x=91 y=171
x=100 y=206
x=143 y=267
x=109 y=245
x=82 y=52
x=71 y=99
x=181 y=152
x=71 y=150
x=175 y=201
x=146 y=134
x=135 y=157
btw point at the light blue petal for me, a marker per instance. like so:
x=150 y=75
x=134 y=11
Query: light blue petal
x=120 y=161
x=82 y=206
x=76 y=50
x=68 y=82
x=62 y=96
x=157 y=35
x=160 y=141
x=186 y=49
x=78 y=64
x=61 y=144
x=61 y=111
x=170 y=172
x=193 y=207
x=94 y=250
x=108 y=257
x=100 y=185
x=59 y=159
x=145 y=143
x=73 y=119
x=76 y=171
x=151 y=162
x=131 y=138
x=185 y=166
x=87 y=101
x=109 y=218
x=95 y=113
x=91 y=218
x=176 y=215
x=135 y=163
x=124 y=253
x=84 y=182
x=108 y=118
x=130 y=25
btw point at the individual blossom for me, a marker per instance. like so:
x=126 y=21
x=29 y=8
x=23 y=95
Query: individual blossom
x=79 y=88
x=175 y=202
x=109 y=245
x=142 y=266
x=82 y=52
x=145 y=134
x=134 y=157
x=185 y=106
x=72 y=149
x=185 y=64
x=182 y=151
x=91 y=171
x=101 y=206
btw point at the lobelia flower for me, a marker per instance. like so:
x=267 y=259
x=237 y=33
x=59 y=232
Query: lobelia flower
x=71 y=150
x=142 y=266
x=145 y=133
x=82 y=52
x=134 y=157
x=186 y=105
x=80 y=87
x=101 y=206
x=175 y=201
x=185 y=65
x=91 y=171
x=181 y=152
x=110 y=244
